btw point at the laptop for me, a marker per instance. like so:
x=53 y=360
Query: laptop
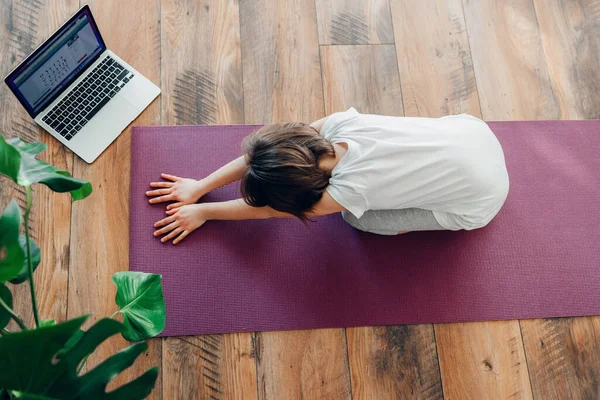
x=81 y=93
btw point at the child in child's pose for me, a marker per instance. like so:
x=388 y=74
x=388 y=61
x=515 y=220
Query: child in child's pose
x=386 y=175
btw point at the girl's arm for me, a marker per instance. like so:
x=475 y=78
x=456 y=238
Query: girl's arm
x=188 y=191
x=235 y=210
x=230 y=172
x=183 y=220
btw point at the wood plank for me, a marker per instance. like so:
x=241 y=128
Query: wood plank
x=29 y=23
x=390 y=362
x=183 y=375
x=200 y=367
x=434 y=58
x=280 y=56
x=202 y=84
x=100 y=223
x=302 y=365
x=393 y=361
x=18 y=23
x=563 y=355
x=364 y=77
x=282 y=82
x=571 y=43
x=438 y=79
x=476 y=364
x=354 y=22
x=202 y=78
x=53 y=210
x=19 y=35
x=511 y=72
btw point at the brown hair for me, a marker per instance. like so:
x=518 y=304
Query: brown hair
x=283 y=168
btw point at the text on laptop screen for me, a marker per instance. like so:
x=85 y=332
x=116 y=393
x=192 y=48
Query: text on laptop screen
x=58 y=62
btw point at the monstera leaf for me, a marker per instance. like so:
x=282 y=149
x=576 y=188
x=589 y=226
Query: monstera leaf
x=30 y=369
x=33 y=148
x=70 y=344
x=140 y=297
x=7 y=299
x=18 y=162
x=10 y=160
x=35 y=259
x=12 y=256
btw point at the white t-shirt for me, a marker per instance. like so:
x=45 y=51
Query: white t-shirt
x=453 y=166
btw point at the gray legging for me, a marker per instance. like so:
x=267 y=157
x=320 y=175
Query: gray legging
x=390 y=222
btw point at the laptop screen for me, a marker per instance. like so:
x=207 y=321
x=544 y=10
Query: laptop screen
x=57 y=62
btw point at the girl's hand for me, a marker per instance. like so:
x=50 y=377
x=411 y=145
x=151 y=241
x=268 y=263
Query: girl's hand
x=180 y=222
x=182 y=190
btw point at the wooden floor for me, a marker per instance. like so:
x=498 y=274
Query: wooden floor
x=262 y=61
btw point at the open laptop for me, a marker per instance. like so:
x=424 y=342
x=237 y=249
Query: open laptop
x=80 y=92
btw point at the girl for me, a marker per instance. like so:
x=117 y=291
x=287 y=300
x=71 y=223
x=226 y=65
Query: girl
x=386 y=175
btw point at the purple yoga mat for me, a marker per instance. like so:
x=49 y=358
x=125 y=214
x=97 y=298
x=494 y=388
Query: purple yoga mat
x=540 y=257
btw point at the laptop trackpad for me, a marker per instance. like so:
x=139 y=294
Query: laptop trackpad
x=104 y=128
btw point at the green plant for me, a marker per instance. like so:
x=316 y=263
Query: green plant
x=45 y=361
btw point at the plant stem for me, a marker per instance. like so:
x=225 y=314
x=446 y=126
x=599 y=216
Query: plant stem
x=29 y=262
x=4 y=331
x=14 y=316
x=115 y=313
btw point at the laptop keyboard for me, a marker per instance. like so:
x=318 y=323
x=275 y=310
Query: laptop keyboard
x=71 y=114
